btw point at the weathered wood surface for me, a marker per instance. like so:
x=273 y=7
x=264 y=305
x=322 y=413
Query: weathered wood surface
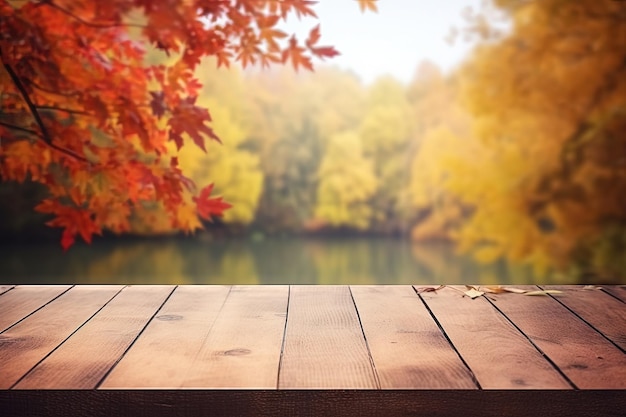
x=309 y=337
x=324 y=345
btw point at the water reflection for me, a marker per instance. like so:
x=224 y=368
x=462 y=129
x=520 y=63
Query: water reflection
x=271 y=261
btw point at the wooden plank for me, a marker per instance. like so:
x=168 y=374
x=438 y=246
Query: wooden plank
x=474 y=326
x=161 y=357
x=243 y=348
x=5 y=288
x=28 y=342
x=597 y=308
x=581 y=353
x=618 y=291
x=24 y=299
x=324 y=345
x=397 y=327
x=305 y=403
x=85 y=358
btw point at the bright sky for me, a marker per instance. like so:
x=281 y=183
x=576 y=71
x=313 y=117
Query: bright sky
x=392 y=41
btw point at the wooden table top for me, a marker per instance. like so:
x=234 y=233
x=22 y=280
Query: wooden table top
x=310 y=337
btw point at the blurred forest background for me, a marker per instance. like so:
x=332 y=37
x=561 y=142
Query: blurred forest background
x=516 y=156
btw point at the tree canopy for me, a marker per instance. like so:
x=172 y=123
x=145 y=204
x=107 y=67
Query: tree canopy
x=84 y=114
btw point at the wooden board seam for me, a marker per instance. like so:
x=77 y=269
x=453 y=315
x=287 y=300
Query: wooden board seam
x=585 y=321
x=282 y=345
x=614 y=296
x=441 y=329
x=367 y=346
x=7 y=289
x=36 y=310
x=130 y=345
x=65 y=339
x=554 y=365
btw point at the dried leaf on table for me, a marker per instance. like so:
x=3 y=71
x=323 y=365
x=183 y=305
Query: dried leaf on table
x=428 y=289
x=543 y=292
x=592 y=287
x=473 y=293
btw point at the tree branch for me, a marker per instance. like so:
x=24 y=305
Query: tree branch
x=91 y=24
x=45 y=135
x=21 y=129
x=71 y=111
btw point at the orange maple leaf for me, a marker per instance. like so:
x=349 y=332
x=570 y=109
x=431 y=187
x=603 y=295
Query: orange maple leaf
x=368 y=5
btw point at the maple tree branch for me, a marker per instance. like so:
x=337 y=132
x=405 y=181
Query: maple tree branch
x=91 y=24
x=45 y=135
x=71 y=111
x=47 y=90
x=21 y=129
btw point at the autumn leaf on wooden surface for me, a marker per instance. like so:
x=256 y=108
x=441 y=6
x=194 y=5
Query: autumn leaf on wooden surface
x=499 y=289
x=420 y=290
x=543 y=292
x=473 y=292
x=592 y=287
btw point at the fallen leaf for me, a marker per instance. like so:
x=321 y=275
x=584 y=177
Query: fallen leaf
x=498 y=289
x=428 y=289
x=543 y=292
x=515 y=290
x=591 y=287
x=493 y=289
x=473 y=292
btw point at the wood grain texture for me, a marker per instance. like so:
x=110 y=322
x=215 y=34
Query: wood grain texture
x=617 y=291
x=305 y=403
x=600 y=310
x=85 y=358
x=334 y=337
x=474 y=326
x=581 y=353
x=24 y=299
x=161 y=357
x=243 y=348
x=324 y=345
x=407 y=347
x=28 y=342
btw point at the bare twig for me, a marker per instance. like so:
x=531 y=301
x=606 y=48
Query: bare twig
x=45 y=135
x=19 y=128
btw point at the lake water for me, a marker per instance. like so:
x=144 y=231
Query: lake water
x=268 y=261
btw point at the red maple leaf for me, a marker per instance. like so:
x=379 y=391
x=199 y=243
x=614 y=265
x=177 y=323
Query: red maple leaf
x=207 y=206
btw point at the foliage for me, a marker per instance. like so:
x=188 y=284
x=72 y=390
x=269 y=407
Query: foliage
x=549 y=181
x=347 y=183
x=385 y=132
x=82 y=114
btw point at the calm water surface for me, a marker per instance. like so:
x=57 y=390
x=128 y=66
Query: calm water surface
x=268 y=261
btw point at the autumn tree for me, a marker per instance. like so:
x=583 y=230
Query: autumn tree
x=385 y=132
x=548 y=99
x=347 y=184
x=442 y=135
x=83 y=115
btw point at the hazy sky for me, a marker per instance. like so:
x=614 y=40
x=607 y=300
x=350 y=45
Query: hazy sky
x=392 y=41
